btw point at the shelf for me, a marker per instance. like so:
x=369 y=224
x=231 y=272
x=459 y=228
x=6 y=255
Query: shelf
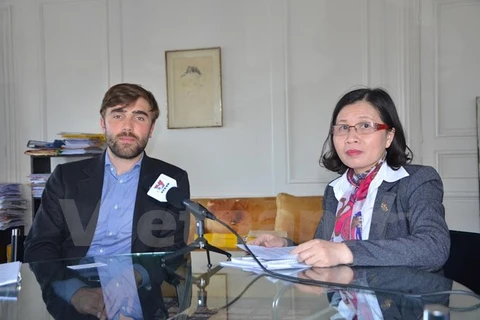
x=64 y=155
x=42 y=164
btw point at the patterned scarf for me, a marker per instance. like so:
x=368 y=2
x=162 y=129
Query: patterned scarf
x=348 y=226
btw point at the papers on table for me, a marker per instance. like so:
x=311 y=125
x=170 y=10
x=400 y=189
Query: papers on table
x=9 y=273
x=249 y=264
x=271 y=258
x=271 y=253
x=87 y=266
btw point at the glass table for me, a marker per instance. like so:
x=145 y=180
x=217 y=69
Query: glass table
x=152 y=286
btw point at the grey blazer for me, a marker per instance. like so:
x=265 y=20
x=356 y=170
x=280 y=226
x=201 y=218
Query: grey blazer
x=408 y=223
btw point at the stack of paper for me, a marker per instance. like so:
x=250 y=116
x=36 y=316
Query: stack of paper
x=9 y=277
x=77 y=143
x=37 y=183
x=271 y=258
x=249 y=264
x=12 y=206
x=276 y=253
x=71 y=143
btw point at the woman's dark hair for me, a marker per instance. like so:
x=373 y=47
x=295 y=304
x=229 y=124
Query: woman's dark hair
x=398 y=154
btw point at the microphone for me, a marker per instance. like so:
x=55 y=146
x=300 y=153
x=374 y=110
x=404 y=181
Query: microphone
x=179 y=199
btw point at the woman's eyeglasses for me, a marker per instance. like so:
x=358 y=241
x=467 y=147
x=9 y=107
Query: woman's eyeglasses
x=360 y=128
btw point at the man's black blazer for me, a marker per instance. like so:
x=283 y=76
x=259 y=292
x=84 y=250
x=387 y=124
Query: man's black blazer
x=66 y=219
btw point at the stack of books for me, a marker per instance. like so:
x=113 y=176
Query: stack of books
x=37 y=183
x=12 y=206
x=70 y=143
x=82 y=143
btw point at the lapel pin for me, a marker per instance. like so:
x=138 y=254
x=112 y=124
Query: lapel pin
x=387 y=304
x=384 y=206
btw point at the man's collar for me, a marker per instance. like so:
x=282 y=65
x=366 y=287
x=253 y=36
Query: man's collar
x=109 y=163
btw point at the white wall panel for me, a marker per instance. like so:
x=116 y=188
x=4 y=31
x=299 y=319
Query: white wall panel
x=459 y=172
x=455 y=56
x=233 y=160
x=321 y=48
x=462 y=214
x=75 y=64
x=8 y=154
x=284 y=63
x=450 y=47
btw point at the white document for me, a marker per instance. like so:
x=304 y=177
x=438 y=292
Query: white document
x=9 y=272
x=277 y=253
x=87 y=266
x=249 y=264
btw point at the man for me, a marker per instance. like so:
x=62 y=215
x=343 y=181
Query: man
x=99 y=206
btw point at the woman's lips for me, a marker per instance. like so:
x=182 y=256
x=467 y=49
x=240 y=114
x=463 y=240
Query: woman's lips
x=353 y=152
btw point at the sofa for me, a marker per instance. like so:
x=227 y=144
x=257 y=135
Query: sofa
x=295 y=217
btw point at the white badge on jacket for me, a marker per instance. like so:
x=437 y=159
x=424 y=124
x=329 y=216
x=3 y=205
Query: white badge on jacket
x=161 y=186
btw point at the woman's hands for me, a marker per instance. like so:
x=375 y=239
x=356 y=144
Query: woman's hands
x=315 y=253
x=321 y=253
x=269 y=240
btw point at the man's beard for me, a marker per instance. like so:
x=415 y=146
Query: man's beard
x=129 y=151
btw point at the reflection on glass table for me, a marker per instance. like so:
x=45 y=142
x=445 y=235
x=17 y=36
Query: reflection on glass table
x=148 y=286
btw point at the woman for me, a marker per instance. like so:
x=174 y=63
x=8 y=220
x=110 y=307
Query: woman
x=382 y=211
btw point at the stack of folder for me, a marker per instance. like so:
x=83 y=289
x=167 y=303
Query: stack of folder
x=70 y=143
x=82 y=143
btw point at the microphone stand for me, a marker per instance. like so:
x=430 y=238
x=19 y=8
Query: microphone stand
x=199 y=243
x=202 y=282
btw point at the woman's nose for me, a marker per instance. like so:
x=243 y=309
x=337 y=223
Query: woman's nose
x=352 y=135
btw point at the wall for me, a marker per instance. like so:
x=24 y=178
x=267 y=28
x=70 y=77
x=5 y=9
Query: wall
x=284 y=66
x=7 y=112
x=450 y=49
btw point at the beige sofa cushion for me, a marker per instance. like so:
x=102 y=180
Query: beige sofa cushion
x=299 y=216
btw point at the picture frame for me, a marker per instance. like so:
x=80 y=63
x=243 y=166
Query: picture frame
x=194 y=88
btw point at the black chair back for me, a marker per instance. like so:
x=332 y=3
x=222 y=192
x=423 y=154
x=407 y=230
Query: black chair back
x=463 y=264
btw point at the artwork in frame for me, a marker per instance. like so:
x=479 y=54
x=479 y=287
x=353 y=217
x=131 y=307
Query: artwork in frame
x=194 y=88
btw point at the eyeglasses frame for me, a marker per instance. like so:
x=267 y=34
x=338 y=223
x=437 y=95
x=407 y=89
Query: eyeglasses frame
x=378 y=126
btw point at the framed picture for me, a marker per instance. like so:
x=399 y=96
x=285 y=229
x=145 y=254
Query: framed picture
x=194 y=88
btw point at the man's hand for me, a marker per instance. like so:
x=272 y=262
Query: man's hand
x=321 y=253
x=138 y=278
x=340 y=274
x=119 y=292
x=89 y=301
x=269 y=240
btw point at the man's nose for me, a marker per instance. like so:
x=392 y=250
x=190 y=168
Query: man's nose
x=127 y=125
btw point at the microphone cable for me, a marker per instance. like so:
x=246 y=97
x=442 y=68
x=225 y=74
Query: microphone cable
x=313 y=282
